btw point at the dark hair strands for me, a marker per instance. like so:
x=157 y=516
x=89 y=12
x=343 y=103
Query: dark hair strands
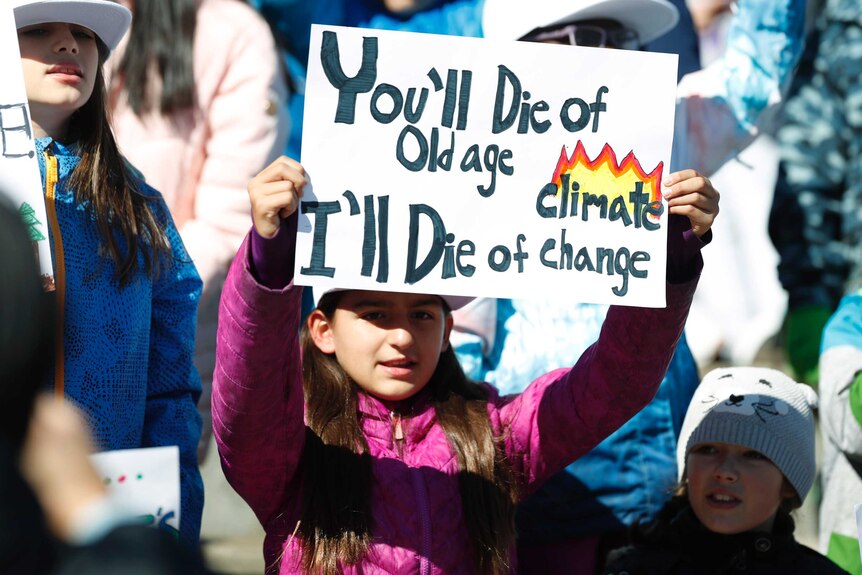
x=336 y=512
x=486 y=480
x=160 y=53
x=103 y=181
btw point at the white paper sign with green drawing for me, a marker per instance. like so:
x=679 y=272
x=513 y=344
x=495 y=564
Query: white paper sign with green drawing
x=144 y=482
x=19 y=169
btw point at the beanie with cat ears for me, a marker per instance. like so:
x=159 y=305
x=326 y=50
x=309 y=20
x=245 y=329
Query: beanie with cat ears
x=761 y=409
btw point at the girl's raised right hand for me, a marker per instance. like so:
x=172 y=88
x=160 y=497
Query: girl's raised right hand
x=274 y=194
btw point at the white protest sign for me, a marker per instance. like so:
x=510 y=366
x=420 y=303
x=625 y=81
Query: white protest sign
x=144 y=482
x=463 y=166
x=19 y=169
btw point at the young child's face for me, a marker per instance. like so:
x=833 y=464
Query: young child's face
x=388 y=343
x=60 y=62
x=733 y=489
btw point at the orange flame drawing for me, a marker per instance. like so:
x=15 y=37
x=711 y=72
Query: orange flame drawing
x=604 y=176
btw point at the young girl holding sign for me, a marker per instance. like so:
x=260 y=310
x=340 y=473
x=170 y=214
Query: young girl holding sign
x=361 y=446
x=126 y=289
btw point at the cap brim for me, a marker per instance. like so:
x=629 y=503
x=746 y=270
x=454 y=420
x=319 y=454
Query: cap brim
x=453 y=301
x=108 y=20
x=651 y=19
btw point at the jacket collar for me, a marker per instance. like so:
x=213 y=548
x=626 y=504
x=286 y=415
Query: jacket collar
x=416 y=413
x=59 y=149
x=702 y=547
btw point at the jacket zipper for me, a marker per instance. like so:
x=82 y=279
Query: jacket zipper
x=424 y=519
x=397 y=433
x=419 y=490
x=51 y=179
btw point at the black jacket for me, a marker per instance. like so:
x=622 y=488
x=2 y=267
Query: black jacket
x=26 y=547
x=681 y=545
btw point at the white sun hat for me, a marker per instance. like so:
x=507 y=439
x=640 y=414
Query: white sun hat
x=512 y=19
x=108 y=20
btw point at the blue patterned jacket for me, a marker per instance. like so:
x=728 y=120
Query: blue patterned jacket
x=127 y=352
x=816 y=220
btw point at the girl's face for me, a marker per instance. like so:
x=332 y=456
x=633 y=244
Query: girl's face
x=733 y=489
x=388 y=343
x=60 y=63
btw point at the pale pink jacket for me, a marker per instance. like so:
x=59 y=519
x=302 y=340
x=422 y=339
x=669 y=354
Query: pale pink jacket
x=201 y=161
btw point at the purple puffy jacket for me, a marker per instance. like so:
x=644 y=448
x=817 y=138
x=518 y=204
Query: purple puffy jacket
x=417 y=522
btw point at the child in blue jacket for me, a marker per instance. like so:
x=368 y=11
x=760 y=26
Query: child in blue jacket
x=126 y=290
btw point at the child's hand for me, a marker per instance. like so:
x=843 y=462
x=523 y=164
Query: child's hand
x=691 y=195
x=275 y=193
x=55 y=461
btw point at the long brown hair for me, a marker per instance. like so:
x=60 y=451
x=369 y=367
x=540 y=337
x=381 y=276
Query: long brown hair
x=103 y=180
x=336 y=508
x=160 y=49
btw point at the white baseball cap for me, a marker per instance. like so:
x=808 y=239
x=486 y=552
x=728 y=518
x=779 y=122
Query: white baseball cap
x=453 y=301
x=512 y=19
x=108 y=20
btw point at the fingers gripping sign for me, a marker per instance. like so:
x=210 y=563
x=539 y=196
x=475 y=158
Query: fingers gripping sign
x=274 y=194
x=691 y=194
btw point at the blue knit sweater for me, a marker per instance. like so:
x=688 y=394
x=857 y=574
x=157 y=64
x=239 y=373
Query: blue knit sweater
x=128 y=352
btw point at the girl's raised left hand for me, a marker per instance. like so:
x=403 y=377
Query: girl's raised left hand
x=691 y=194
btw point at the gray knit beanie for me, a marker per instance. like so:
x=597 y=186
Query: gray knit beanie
x=761 y=409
